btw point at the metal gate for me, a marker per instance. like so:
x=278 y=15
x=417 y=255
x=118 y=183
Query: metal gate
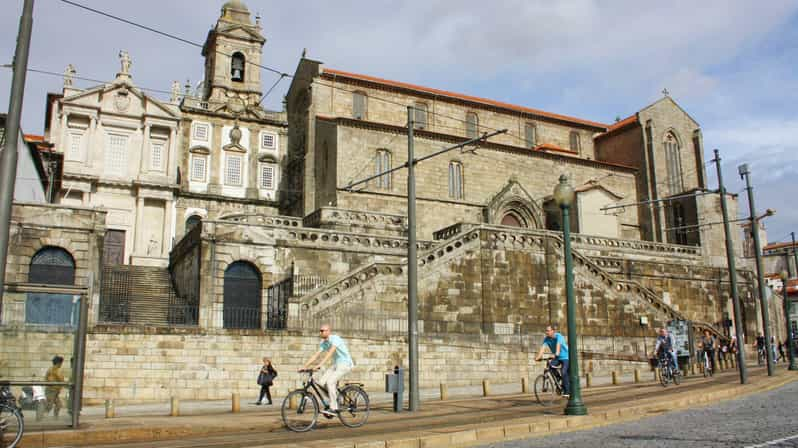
x=242 y=296
x=277 y=305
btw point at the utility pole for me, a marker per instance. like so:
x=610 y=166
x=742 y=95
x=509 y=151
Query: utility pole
x=794 y=255
x=760 y=279
x=412 y=267
x=738 y=319
x=8 y=162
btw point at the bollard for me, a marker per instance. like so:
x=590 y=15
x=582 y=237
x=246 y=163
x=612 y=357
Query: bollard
x=734 y=363
x=524 y=385
x=175 y=411
x=444 y=392
x=692 y=369
x=656 y=375
x=236 y=408
x=588 y=380
x=395 y=385
x=485 y=388
x=110 y=411
x=637 y=375
x=614 y=378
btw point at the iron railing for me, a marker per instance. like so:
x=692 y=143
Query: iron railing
x=237 y=317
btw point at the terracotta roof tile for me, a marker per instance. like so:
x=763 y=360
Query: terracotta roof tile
x=460 y=96
x=619 y=126
x=778 y=245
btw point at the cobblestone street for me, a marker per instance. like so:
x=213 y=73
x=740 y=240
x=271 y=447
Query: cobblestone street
x=749 y=422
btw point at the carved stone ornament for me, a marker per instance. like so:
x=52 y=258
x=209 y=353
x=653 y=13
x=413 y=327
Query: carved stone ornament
x=122 y=100
x=236 y=105
x=514 y=199
x=235 y=140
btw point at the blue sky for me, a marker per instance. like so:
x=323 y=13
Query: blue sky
x=731 y=65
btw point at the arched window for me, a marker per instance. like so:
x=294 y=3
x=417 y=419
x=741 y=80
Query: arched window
x=237 y=67
x=359 y=105
x=574 y=142
x=455 y=180
x=420 y=116
x=472 y=125
x=530 y=135
x=674 y=164
x=52 y=266
x=382 y=163
x=192 y=221
x=242 y=296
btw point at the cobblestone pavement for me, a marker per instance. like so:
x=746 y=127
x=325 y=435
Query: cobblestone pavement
x=748 y=422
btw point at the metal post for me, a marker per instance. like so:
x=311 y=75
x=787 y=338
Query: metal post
x=8 y=162
x=760 y=279
x=787 y=308
x=738 y=319
x=794 y=255
x=575 y=405
x=412 y=268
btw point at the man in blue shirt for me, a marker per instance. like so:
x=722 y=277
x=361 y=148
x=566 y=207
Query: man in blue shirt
x=556 y=344
x=332 y=346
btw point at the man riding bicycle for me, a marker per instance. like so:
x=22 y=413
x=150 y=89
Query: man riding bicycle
x=559 y=348
x=666 y=345
x=708 y=344
x=333 y=346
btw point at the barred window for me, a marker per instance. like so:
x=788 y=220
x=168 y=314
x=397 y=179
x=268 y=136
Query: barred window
x=52 y=266
x=232 y=172
x=156 y=156
x=472 y=125
x=198 y=168
x=268 y=141
x=382 y=163
x=116 y=155
x=267 y=174
x=75 y=146
x=359 y=105
x=420 y=116
x=530 y=135
x=574 y=142
x=455 y=180
x=201 y=132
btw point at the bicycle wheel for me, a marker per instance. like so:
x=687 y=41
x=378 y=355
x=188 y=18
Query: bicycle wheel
x=545 y=390
x=353 y=404
x=664 y=376
x=707 y=368
x=300 y=411
x=676 y=377
x=12 y=425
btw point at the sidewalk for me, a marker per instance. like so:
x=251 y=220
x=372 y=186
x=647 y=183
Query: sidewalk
x=505 y=415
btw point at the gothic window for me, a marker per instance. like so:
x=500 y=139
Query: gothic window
x=674 y=164
x=116 y=155
x=156 y=155
x=574 y=142
x=201 y=132
x=51 y=266
x=233 y=170
x=382 y=164
x=199 y=168
x=530 y=135
x=268 y=140
x=192 y=221
x=472 y=125
x=267 y=176
x=420 y=116
x=359 y=105
x=237 y=67
x=242 y=296
x=455 y=180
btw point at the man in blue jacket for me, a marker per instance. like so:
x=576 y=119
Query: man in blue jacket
x=556 y=344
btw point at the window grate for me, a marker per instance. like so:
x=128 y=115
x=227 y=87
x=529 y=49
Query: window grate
x=267 y=176
x=116 y=155
x=233 y=170
x=198 y=165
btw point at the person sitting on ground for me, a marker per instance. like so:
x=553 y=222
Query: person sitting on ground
x=556 y=344
x=333 y=347
x=666 y=345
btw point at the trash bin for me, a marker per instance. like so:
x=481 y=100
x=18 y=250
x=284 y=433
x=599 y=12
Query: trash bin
x=395 y=384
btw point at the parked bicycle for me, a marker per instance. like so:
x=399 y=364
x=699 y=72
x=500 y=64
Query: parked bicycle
x=548 y=385
x=707 y=365
x=12 y=422
x=300 y=409
x=667 y=371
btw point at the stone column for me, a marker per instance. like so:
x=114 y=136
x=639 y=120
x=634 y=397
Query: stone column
x=171 y=167
x=145 y=147
x=137 y=244
x=252 y=164
x=166 y=245
x=90 y=139
x=63 y=133
x=215 y=162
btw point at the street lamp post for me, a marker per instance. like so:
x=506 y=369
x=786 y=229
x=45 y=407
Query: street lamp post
x=564 y=197
x=787 y=307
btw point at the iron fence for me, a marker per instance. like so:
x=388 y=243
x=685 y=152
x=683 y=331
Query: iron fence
x=238 y=317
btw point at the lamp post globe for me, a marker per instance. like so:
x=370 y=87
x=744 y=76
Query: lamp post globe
x=564 y=197
x=787 y=308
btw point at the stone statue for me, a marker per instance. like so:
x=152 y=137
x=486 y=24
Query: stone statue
x=152 y=248
x=69 y=75
x=125 y=61
x=175 y=98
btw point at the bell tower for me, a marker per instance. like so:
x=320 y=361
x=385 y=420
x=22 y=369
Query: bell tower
x=232 y=52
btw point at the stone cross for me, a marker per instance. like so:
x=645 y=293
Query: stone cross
x=125 y=62
x=665 y=92
x=69 y=75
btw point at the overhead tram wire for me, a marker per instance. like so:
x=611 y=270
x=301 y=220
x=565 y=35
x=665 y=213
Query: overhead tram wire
x=270 y=69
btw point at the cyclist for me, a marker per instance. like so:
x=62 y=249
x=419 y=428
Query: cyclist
x=708 y=344
x=666 y=344
x=559 y=348
x=332 y=346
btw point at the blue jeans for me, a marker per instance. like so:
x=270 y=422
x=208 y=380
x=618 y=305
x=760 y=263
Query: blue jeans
x=566 y=378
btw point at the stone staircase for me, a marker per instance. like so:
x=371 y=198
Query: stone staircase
x=139 y=295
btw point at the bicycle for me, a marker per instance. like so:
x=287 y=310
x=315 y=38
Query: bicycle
x=300 y=409
x=667 y=372
x=760 y=356
x=12 y=422
x=548 y=385
x=708 y=371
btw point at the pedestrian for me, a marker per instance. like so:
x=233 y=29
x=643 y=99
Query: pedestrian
x=266 y=378
x=52 y=392
x=733 y=346
x=781 y=351
x=724 y=350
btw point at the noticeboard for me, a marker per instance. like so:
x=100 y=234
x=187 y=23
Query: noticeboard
x=680 y=329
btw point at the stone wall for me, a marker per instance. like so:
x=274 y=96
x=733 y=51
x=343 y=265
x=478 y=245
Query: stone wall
x=27 y=353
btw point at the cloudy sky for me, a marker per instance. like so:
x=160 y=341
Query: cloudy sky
x=731 y=65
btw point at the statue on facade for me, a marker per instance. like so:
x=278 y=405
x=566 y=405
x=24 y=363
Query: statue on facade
x=69 y=75
x=175 y=98
x=125 y=62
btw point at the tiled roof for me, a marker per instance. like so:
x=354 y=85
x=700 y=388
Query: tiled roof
x=34 y=138
x=619 y=126
x=778 y=246
x=550 y=147
x=402 y=85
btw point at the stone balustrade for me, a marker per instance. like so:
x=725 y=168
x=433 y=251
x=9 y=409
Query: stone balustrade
x=637 y=245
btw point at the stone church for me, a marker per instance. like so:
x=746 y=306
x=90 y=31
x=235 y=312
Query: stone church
x=206 y=231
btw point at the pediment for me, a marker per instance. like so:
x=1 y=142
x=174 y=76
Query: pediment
x=241 y=32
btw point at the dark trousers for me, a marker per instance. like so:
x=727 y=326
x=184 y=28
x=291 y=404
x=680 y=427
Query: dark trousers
x=264 y=390
x=566 y=378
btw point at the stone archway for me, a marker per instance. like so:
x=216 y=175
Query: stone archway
x=514 y=206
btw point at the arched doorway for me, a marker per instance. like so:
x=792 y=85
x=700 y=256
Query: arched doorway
x=242 y=296
x=52 y=266
x=511 y=220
